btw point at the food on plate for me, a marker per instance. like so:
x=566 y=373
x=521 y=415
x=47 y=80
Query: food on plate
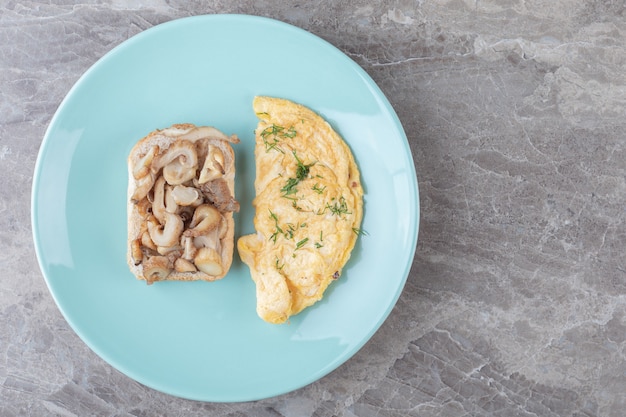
x=308 y=208
x=180 y=204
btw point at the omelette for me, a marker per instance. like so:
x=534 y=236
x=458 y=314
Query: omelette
x=308 y=208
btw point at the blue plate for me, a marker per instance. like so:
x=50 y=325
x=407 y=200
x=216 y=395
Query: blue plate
x=200 y=340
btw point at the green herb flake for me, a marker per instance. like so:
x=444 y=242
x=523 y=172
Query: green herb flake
x=302 y=171
x=278 y=265
x=338 y=207
x=359 y=232
x=295 y=205
x=317 y=188
x=271 y=136
x=301 y=243
x=290 y=187
x=290 y=230
x=278 y=229
x=291 y=133
x=272 y=145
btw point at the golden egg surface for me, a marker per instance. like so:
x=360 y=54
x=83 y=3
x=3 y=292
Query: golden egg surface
x=308 y=208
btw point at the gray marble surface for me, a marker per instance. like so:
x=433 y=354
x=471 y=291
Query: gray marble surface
x=516 y=300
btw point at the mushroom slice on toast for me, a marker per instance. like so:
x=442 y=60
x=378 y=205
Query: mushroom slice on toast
x=179 y=227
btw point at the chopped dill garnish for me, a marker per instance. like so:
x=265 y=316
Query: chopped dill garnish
x=273 y=133
x=358 y=231
x=301 y=243
x=279 y=266
x=279 y=131
x=290 y=133
x=290 y=187
x=319 y=244
x=272 y=145
x=278 y=229
x=290 y=230
x=338 y=207
x=317 y=188
x=302 y=171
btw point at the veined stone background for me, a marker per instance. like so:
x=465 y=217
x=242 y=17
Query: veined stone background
x=515 y=112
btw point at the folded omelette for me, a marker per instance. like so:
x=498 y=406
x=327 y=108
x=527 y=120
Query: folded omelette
x=308 y=208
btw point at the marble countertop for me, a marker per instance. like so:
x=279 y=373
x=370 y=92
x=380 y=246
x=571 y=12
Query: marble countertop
x=516 y=300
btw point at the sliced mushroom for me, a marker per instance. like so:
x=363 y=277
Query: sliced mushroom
x=179 y=162
x=187 y=196
x=144 y=207
x=142 y=167
x=170 y=202
x=205 y=218
x=156 y=268
x=206 y=241
x=177 y=129
x=213 y=167
x=135 y=251
x=223 y=228
x=183 y=151
x=158 y=200
x=186 y=213
x=184 y=265
x=168 y=234
x=209 y=261
x=189 y=248
x=209 y=240
x=168 y=250
x=208 y=132
x=176 y=173
x=146 y=241
x=142 y=187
